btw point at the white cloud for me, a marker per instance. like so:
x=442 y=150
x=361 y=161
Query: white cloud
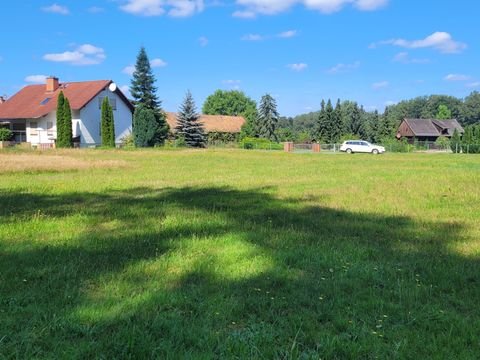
x=36 y=79
x=380 y=85
x=129 y=70
x=203 y=41
x=154 y=63
x=252 y=8
x=288 y=34
x=174 y=8
x=441 y=41
x=475 y=84
x=85 y=54
x=125 y=89
x=456 y=77
x=234 y=84
x=297 y=67
x=258 y=37
x=56 y=9
x=404 y=58
x=253 y=37
x=340 y=68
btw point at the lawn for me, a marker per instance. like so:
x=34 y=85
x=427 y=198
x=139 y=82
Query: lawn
x=239 y=254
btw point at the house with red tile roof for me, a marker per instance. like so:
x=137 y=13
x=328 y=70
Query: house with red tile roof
x=31 y=113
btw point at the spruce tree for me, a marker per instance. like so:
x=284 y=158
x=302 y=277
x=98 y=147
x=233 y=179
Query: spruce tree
x=107 y=124
x=326 y=131
x=60 y=118
x=356 y=120
x=67 y=122
x=188 y=123
x=143 y=91
x=145 y=126
x=337 y=125
x=142 y=87
x=320 y=124
x=268 y=118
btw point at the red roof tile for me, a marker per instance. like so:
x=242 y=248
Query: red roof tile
x=30 y=102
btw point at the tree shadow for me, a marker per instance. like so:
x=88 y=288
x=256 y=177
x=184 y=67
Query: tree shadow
x=220 y=272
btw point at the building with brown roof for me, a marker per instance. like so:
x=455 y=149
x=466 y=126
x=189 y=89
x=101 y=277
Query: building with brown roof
x=31 y=113
x=427 y=129
x=213 y=123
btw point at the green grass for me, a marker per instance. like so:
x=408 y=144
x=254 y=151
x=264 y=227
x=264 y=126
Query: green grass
x=239 y=254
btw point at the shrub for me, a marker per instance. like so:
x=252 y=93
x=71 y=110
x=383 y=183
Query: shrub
x=443 y=142
x=5 y=134
x=128 y=141
x=394 y=145
x=259 y=144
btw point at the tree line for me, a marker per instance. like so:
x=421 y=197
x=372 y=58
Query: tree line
x=348 y=119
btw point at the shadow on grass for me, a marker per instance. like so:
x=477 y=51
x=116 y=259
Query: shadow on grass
x=218 y=272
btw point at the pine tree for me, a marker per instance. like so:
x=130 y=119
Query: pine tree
x=143 y=91
x=145 y=126
x=142 y=87
x=337 y=125
x=60 y=118
x=356 y=121
x=318 y=131
x=107 y=124
x=67 y=121
x=268 y=118
x=374 y=127
x=64 y=122
x=188 y=124
x=327 y=124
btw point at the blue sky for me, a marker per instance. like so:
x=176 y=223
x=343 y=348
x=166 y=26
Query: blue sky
x=376 y=52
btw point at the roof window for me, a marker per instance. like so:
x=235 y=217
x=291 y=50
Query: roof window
x=45 y=101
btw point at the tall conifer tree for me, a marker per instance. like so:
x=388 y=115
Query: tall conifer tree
x=67 y=121
x=268 y=118
x=188 y=124
x=108 y=124
x=144 y=93
x=60 y=118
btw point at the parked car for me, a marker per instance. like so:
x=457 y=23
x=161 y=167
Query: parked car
x=361 y=146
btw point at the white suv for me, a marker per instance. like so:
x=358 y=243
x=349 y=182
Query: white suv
x=360 y=146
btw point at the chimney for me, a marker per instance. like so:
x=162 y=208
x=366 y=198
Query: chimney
x=52 y=84
x=3 y=99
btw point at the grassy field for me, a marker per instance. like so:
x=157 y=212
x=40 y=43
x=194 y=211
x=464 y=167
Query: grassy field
x=238 y=254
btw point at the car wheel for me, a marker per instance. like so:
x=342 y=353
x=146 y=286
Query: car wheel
x=349 y=151
x=375 y=152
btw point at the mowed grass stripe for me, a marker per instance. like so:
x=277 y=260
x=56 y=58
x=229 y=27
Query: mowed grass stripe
x=238 y=254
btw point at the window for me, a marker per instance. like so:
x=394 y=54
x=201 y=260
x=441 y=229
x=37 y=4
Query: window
x=45 y=101
x=19 y=126
x=113 y=102
x=50 y=128
x=33 y=128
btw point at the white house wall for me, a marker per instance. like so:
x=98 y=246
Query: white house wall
x=41 y=130
x=90 y=117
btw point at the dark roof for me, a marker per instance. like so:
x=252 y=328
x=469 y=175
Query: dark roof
x=433 y=127
x=213 y=123
x=34 y=101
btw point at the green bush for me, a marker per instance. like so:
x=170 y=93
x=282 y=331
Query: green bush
x=443 y=142
x=128 y=141
x=259 y=144
x=5 y=134
x=394 y=145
